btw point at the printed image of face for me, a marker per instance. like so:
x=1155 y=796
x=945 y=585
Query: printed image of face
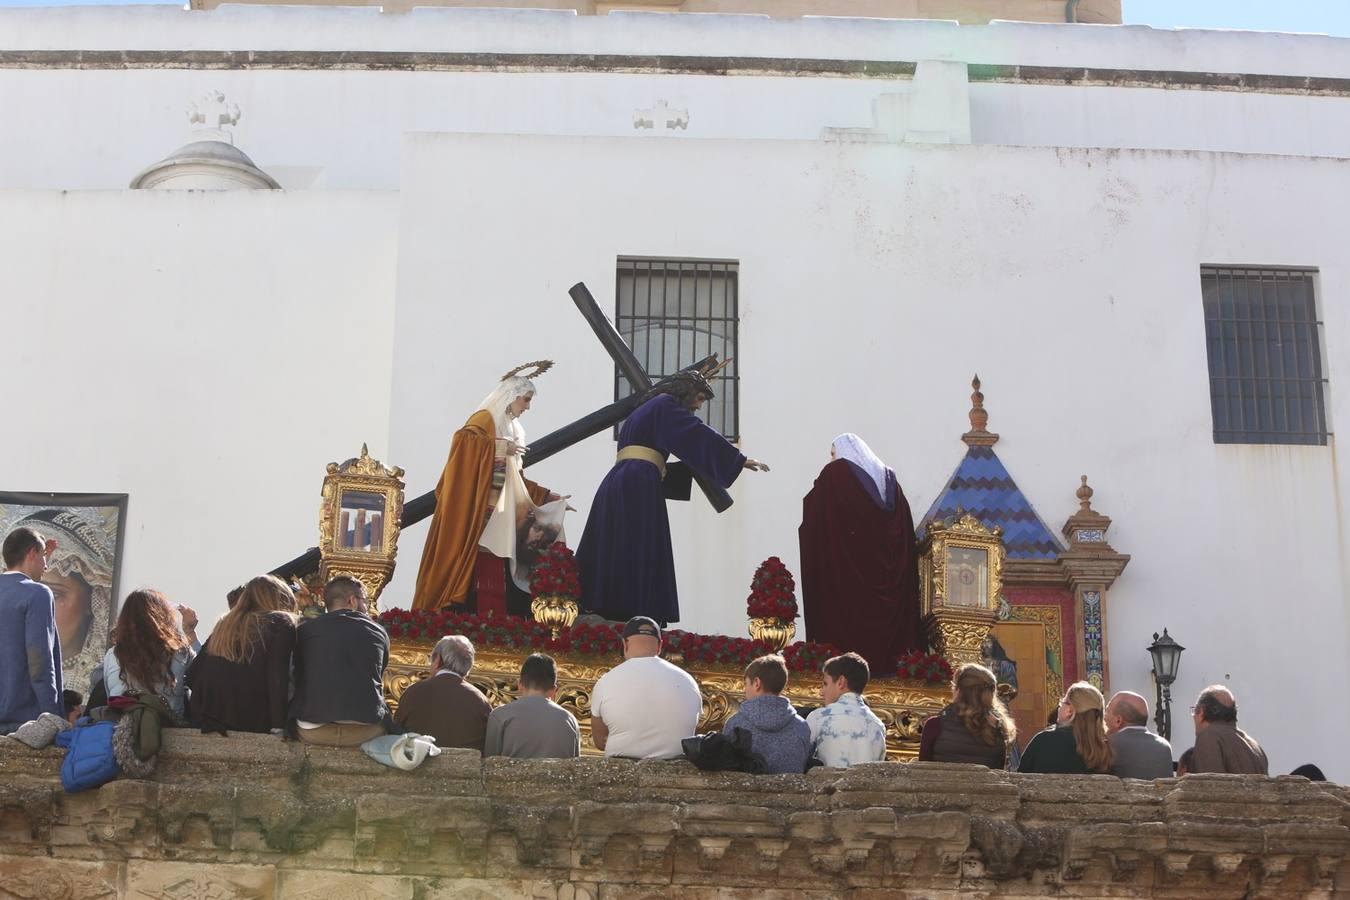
x=541 y=536
x=74 y=608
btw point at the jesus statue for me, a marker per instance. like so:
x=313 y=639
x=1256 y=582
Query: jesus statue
x=625 y=556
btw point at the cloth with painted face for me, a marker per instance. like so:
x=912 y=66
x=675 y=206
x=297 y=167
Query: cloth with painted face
x=80 y=574
x=859 y=558
x=480 y=498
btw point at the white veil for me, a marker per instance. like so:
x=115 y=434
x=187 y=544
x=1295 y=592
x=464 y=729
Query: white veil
x=854 y=449
x=499 y=402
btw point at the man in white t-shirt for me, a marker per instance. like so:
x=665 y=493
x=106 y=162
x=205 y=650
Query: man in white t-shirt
x=644 y=707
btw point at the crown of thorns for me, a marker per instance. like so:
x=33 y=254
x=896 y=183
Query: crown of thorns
x=538 y=367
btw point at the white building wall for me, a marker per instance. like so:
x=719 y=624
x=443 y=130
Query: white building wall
x=207 y=354
x=338 y=129
x=874 y=280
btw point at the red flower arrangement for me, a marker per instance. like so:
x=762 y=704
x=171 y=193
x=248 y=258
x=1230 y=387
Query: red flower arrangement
x=917 y=665
x=555 y=574
x=515 y=633
x=771 y=592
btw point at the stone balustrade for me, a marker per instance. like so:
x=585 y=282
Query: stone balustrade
x=254 y=816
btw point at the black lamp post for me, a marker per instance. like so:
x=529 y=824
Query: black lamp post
x=1166 y=655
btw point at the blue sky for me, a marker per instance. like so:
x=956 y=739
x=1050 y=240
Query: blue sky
x=1320 y=16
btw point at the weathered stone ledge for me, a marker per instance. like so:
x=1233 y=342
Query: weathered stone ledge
x=660 y=64
x=253 y=816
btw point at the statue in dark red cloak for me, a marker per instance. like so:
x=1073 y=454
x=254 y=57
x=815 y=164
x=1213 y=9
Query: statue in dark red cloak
x=860 y=566
x=625 y=558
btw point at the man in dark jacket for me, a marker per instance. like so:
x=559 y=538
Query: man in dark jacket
x=1220 y=746
x=339 y=671
x=778 y=734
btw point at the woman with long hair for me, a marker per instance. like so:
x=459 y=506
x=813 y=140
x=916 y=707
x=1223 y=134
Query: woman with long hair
x=1077 y=745
x=975 y=727
x=149 y=652
x=241 y=680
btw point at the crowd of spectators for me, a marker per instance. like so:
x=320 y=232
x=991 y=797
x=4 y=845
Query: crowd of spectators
x=322 y=681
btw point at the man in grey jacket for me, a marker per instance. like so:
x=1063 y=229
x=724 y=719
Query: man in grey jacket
x=1139 y=753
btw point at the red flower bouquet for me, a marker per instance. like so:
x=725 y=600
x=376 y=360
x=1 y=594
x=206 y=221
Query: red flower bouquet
x=555 y=574
x=919 y=666
x=772 y=592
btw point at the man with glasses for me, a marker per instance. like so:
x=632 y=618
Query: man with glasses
x=1220 y=746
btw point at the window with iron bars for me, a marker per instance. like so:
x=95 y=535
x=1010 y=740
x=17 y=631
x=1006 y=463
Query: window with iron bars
x=674 y=312
x=1266 y=382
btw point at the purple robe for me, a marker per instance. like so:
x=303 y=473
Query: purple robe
x=626 y=562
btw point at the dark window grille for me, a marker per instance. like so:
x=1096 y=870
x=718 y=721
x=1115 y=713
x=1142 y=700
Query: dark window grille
x=674 y=312
x=1266 y=383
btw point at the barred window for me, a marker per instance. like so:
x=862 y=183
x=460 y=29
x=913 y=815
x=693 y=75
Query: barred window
x=674 y=312
x=1266 y=382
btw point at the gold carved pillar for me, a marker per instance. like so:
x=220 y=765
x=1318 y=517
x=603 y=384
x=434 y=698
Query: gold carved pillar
x=1090 y=567
x=961 y=580
x=359 y=522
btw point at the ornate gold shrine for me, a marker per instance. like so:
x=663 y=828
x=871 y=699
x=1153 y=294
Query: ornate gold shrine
x=359 y=522
x=901 y=705
x=961 y=582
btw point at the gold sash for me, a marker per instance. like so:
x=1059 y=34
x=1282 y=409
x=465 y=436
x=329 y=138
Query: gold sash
x=646 y=454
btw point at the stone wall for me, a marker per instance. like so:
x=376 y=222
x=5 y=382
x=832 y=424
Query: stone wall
x=252 y=816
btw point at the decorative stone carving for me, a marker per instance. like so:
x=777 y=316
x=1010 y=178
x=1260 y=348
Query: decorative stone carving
x=211 y=161
x=333 y=824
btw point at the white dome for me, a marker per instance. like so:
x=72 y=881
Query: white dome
x=205 y=165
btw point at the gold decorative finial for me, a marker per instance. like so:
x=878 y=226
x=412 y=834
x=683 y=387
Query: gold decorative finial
x=1084 y=495
x=978 y=435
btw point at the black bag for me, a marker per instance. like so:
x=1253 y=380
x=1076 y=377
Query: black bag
x=717 y=752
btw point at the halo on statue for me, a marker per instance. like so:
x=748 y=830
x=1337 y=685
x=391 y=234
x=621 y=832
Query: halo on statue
x=538 y=367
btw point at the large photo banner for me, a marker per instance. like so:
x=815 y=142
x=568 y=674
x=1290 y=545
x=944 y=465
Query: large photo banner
x=84 y=569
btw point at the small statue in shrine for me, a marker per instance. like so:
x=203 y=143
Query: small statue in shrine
x=859 y=558
x=484 y=502
x=625 y=556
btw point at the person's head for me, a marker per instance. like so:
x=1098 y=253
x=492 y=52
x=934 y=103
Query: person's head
x=145 y=639
x=846 y=674
x=233 y=596
x=539 y=676
x=641 y=637
x=541 y=535
x=72 y=704
x=690 y=390
x=452 y=653
x=1215 y=704
x=1186 y=762
x=238 y=634
x=507 y=402
x=1125 y=710
x=1087 y=719
x=766 y=675
x=345 y=592
x=1310 y=772
x=23 y=551
x=976 y=703
x=520 y=405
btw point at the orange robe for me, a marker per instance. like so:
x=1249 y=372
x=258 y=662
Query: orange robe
x=463 y=494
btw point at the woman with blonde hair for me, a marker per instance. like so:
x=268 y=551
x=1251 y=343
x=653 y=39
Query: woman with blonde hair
x=241 y=680
x=975 y=727
x=1077 y=745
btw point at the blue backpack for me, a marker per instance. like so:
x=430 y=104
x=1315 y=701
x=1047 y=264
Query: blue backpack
x=90 y=760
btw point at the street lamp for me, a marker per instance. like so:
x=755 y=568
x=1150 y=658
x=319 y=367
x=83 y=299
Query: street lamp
x=1166 y=655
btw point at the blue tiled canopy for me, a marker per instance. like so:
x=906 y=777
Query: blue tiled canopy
x=982 y=487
